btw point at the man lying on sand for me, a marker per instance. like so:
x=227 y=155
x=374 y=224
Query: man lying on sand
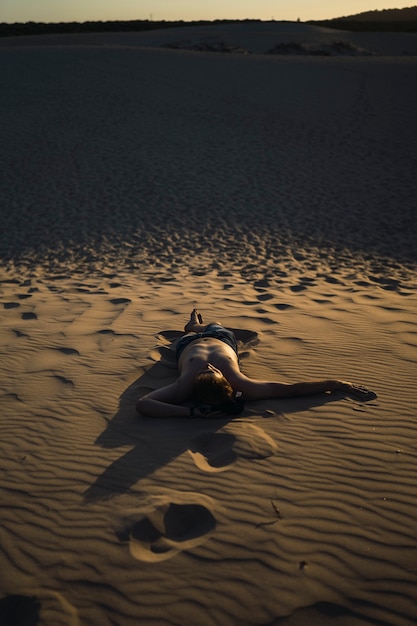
x=211 y=379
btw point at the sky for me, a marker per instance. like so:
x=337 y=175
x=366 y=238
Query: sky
x=94 y=10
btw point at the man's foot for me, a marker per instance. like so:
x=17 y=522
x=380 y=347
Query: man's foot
x=195 y=319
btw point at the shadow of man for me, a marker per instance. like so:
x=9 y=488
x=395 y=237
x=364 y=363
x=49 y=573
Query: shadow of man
x=153 y=442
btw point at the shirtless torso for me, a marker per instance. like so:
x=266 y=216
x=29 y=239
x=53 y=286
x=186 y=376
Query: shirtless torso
x=208 y=350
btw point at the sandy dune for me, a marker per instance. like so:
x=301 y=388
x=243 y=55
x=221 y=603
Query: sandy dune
x=278 y=195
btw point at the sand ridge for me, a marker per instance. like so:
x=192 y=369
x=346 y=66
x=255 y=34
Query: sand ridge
x=277 y=195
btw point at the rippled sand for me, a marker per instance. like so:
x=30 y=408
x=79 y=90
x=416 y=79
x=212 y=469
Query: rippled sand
x=278 y=195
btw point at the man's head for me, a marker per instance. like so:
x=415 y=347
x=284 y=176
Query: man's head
x=211 y=387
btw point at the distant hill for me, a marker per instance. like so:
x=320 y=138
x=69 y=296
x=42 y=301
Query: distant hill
x=389 y=20
x=385 y=15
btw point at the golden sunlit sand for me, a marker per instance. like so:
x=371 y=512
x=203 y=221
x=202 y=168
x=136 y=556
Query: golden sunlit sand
x=277 y=194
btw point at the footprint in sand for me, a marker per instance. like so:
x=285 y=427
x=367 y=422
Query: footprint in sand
x=297 y=288
x=68 y=351
x=264 y=297
x=29 y=316
x=64 y=381
x=217 y=452
x=18 y=609
x=213 y=452
x=120 y=301
x=168 y=528
x=262 y=283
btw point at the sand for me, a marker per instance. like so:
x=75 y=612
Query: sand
x=277 y=194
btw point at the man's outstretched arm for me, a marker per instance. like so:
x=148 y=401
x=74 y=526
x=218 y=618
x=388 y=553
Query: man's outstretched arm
x=155 y=408
x=262 y=390
x=169 y=401
x=164 y=402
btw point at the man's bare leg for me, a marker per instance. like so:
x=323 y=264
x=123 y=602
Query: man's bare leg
x=196 y=323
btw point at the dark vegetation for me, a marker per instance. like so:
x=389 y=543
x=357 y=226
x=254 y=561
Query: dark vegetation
x=387 y=20
x=42 y=28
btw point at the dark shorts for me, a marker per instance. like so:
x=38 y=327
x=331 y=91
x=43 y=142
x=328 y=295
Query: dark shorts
x=212 y=330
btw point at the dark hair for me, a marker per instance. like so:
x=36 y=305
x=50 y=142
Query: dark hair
x=216 y=394
x=211 y=390
x=233 y=406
